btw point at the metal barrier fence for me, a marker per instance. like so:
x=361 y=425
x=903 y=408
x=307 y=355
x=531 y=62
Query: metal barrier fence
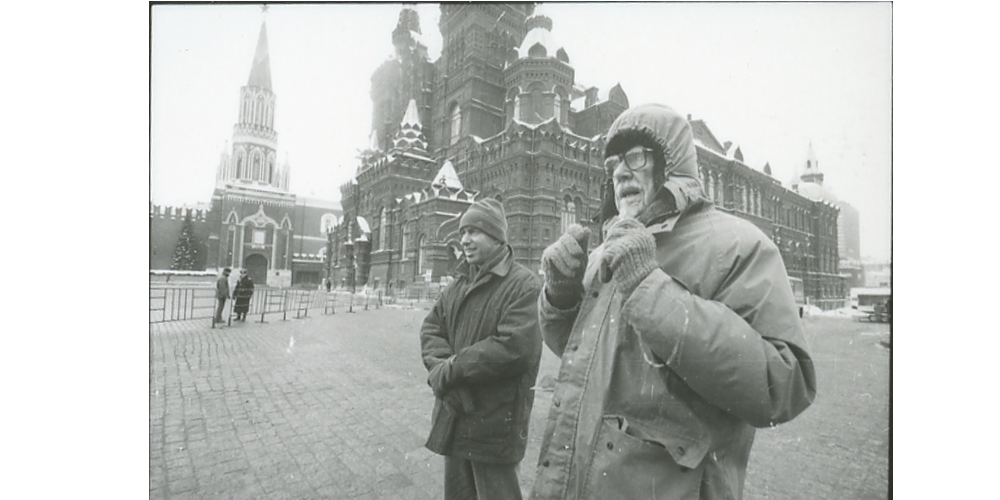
x=187 y=303
x=181 y=303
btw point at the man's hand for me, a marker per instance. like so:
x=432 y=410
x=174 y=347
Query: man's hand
x=629 y=255
x=439 y=377
x=563 y=263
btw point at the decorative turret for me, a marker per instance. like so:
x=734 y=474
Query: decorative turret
x=539 y=42
x=407 y=38
x=410 y=137
x=540 y=81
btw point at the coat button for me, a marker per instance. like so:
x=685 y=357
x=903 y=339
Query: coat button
x=680 y=450
x=594 y=294
x=545 y=463
x=556 y=403
x=611 y=445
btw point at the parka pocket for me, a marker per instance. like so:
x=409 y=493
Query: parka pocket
x=494 y=415
x=626 y=466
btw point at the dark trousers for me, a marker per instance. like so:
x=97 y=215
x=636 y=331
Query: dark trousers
x=218 y=310
x=465 y=480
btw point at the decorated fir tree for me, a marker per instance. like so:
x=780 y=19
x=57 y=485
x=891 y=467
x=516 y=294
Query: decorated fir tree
x=186 y=252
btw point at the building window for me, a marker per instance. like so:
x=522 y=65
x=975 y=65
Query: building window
x=421 y=265
x=259 y=236
x=255 y=168
x=456 y=123
x=568 y=214
x=327 y=223
x=382 y=228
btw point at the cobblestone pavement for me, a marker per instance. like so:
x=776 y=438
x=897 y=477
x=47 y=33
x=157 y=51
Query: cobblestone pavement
x=337 y=406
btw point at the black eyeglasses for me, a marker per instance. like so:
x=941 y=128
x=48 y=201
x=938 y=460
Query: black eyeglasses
x=635 y=159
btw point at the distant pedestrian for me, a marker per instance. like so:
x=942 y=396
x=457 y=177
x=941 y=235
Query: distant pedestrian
x=679 y=334
x=481 y=346
x=328 y=284
x=221 y=293
x=242 y=294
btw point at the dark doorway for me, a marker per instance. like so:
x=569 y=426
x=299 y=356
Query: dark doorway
x=256 y=265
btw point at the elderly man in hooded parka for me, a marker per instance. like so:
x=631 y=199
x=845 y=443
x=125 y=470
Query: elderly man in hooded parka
x=679 y=334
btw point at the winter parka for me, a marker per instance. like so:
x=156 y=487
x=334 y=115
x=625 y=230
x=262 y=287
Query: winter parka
x=489 y=323
x=659 y=393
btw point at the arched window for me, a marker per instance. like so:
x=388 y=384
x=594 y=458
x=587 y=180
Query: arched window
x=327 y=223
x=383 y=228
x=402 y=244
x=568 y=214
x=558 y=108
x=255 y=165
x=240 y=163
x=517 y=107
x=260 y=111
x=537 y=106
x=421 y=254
x=456 y=123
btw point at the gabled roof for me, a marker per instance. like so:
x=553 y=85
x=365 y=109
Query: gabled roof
x=447 y=176
x=260 y=71
x=705 y=136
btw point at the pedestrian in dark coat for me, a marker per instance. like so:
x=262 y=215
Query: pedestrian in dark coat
x=221 y=294
x=242 y=294
x=679 y=334
x=481 y=346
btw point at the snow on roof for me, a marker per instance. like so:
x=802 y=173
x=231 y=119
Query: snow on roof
x=447 y=176
x=539 y=35
x=817 y=192
x=363 y=224
x=411 y=117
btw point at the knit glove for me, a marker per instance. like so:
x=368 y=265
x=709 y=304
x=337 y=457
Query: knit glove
x=564 y=263
x=629 y=255
x=439 y=377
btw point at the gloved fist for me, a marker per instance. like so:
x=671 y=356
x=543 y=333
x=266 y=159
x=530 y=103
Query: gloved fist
x=629 y=255
x=439 y=377
x=564 y=263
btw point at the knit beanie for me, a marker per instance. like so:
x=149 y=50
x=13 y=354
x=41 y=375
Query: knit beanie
x=487 y=215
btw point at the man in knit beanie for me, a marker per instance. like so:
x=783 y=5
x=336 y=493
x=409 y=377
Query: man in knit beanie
x=481 y=347
x=488 y=218
x=689 y=337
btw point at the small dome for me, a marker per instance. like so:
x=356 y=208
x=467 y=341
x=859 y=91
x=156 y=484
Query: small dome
x=539 y=42
x=817 y=192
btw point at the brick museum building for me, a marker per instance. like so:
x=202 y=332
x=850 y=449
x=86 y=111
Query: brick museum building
x=499 y=114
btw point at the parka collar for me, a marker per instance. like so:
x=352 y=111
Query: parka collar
x=499 y=265
x=679 y=195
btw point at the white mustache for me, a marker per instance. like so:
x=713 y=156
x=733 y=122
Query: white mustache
x=621 y=190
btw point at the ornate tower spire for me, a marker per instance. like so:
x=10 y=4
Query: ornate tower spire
x=812 y=172
x=260 y=71
x=255 y=142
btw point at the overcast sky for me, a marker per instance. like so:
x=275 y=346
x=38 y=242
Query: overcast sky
x=769 y=77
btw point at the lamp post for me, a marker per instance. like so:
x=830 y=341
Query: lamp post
x=329 y=256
